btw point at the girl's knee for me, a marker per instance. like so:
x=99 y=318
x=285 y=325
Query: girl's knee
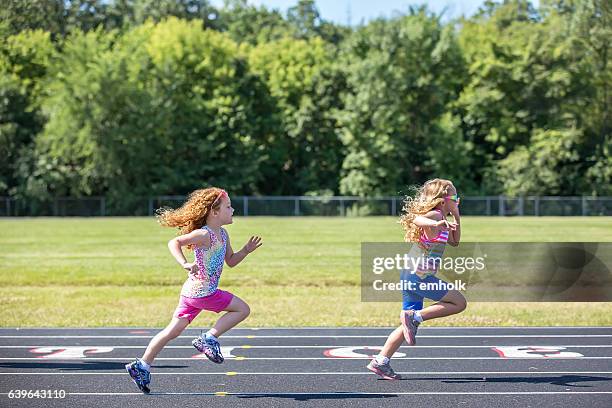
x=461 y=304
x=457 y=299
x=246 y=310
x=241 y=307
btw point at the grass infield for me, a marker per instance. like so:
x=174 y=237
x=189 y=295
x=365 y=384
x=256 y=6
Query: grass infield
x=88 y=272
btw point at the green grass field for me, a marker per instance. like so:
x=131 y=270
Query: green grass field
x=80 y=272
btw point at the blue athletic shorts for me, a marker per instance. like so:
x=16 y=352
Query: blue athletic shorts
x=413 y=299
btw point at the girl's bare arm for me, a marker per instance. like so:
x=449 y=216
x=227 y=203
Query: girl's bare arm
x=197 y=237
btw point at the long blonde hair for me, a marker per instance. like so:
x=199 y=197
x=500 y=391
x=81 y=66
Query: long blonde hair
x=428 y=197
x=194 y=212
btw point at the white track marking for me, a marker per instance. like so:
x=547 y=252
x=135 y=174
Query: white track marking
x=72 y=352
x=234 y=373
x=325 y=328
x=272 y=394
x=335 y=394
x=535 y=351
x=364 y=357
x=322 y=347
x=471 y=336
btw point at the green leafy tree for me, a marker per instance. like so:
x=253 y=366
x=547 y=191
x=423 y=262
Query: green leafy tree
x=158 y=10
x=46 y=15
x=303 y=153
x=57 y=17
x=24 y=61
x=162 y=109
x=401 y=74
x=305 y=18
x=250 y=24
x=537 y=85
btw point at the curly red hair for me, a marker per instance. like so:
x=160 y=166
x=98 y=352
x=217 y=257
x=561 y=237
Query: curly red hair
x=193 y=213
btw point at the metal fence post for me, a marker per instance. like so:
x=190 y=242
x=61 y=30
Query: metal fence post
x=150 y=206
x=488 y=205
x=296 y=209
x=102 y=206
x=342 y=207
x=245 y=206
x=584 y=206
x=521 y=205
x=502 y=209
x=393 y=206
x=536 y=204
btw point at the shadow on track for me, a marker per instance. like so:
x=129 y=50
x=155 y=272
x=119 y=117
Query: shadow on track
x=564 y=380
x=82 y=366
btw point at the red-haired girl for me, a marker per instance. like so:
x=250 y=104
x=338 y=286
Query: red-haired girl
x=200 y=221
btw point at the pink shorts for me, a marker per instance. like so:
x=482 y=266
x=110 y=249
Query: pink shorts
x=191 y=307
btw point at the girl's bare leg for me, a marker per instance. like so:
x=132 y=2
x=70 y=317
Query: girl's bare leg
x=393 y=343
x=452 y=303
x=237 y=311
x=172 y=331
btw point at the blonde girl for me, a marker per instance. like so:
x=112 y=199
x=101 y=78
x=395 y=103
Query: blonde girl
x=425 y=224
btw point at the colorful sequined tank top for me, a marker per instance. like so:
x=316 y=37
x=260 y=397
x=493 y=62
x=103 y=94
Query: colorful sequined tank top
x=429 y=252
x=210 y=265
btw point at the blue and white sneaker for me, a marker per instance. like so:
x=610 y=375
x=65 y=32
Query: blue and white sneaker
x=140 y=376
x=210 y=347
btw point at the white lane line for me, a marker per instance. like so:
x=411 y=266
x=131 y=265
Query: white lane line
x=336 y=394
x=471 y=336
x=247 y=346
x=234 y=373
x=540 y=358
x=326 y=328
x=348 y=394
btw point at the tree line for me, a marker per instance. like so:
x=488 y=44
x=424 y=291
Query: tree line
x=132 y=98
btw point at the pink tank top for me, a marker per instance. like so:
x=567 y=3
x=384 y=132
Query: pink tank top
x=433 y=249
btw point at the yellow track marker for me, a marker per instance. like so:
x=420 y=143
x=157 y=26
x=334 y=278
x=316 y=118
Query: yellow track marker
x=250 y=337
x=220 y=393
x=231 y=373
x=240 y=358
x=246 y=346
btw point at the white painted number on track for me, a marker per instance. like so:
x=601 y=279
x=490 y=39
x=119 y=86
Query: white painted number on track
x=226 y=351
x=534 y=351
x=356 y=352
x=69 y=352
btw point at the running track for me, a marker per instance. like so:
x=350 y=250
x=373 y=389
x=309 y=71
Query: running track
x=500 y=367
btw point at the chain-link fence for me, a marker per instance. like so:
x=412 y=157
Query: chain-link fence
x=306 y=206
